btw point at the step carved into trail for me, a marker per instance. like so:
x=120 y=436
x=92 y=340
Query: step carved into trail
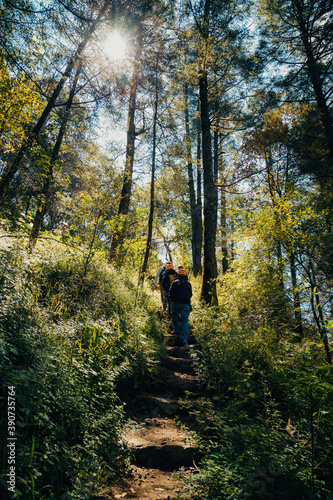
x=160 y=449
x=159 y=443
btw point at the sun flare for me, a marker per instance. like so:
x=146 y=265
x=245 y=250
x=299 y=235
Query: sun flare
x=114 y=46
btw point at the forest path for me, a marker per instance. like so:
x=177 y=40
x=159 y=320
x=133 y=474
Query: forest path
x=162 y=448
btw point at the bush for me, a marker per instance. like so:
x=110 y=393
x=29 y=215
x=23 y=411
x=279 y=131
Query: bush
x=70 y=341
x=265 y=422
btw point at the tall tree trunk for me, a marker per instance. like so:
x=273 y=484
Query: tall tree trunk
x=232 y=242
x=216 y=147
x=152 y=185
x=33 y=136
x=223 y=218
x=219 y=179
x=193 y=207
x=297 y=299
x=208 y=289
x=274 y=190
x=197 y=235
x=44 y=202
x=166 y=246
x=197 y=267
x=125 y=197
x=318 y=312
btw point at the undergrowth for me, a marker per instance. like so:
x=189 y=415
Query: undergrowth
x=265 y=421
x=71 y=340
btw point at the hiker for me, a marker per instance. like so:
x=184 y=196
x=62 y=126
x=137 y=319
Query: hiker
x=180 y=294
x=180 y=267
x=159 y=285
x=168 y=277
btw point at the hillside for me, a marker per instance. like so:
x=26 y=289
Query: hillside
x=88 y=364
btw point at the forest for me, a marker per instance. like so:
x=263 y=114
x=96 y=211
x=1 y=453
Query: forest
x=138 y=131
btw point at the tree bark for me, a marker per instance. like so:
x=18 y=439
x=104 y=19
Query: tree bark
x=297 y=299
x=193 y=207
x=216 y=141
x=274 y=190
x=223 y=218
x=152 y=185
x=208 y=289
x=197 y=266
x=219 y=179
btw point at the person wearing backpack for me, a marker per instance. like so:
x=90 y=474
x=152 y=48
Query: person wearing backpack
x=180 y=267
x=180 y=294
x=159 y=285
x=168 y=277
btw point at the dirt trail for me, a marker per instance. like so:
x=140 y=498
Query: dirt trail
x=163 y=452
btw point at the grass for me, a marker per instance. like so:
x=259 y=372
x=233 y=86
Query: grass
x=70 y=341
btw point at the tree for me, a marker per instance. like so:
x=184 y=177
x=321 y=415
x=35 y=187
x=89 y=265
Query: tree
x=296 y=227
x=31 y=137
x=44 y=201
x=268 y=147
x=125 y=197
x=195 y=198
x=208 y=290
x=300 y=39
x=152 y=182
x=145 y=14
x=225 y=65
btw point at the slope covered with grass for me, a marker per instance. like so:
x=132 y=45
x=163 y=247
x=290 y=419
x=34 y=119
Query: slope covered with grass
x=71 y=338
x=77 y=338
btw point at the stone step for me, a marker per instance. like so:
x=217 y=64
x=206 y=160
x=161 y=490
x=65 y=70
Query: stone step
x=164 y=457
x=162 y=445
x=182 y=365
x=180 y=351
x=177 y=382
x=162 y=405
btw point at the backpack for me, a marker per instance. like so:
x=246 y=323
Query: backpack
x=172 y=277
x=169 y=276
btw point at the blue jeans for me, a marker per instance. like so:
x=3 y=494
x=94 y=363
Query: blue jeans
x=182 y=312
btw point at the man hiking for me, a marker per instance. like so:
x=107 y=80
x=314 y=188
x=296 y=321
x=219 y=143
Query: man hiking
x=168 y=277
x=159 y=285
x=180 y=294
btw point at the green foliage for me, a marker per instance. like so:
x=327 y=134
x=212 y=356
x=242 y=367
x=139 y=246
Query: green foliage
x=20 y=102
x=265 y=421
x=252 y=295
x=72 y=339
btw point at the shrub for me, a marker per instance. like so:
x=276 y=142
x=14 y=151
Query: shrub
x=71 y=339
x=265 y=422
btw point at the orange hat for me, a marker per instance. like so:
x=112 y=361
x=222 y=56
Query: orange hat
x=180 y=266
x=169 y=266
x=181 y=271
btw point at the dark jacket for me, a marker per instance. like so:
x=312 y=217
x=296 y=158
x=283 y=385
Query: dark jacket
x=181 y=291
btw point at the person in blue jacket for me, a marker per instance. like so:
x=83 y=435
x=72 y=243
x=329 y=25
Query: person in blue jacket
x=180 y=294
x=159 y=285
